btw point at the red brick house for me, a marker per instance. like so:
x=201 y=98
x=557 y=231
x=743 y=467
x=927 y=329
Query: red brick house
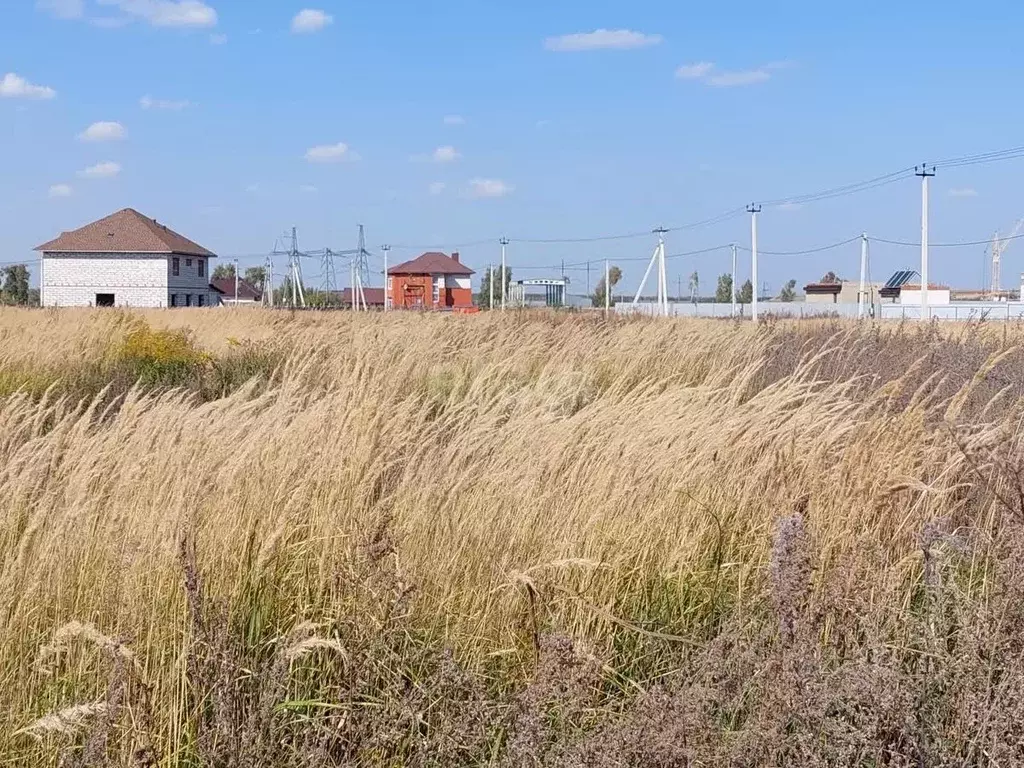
x=430 y=281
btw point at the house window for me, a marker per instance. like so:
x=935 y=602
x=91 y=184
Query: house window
x=202 y=267
x=200 y=300
x=174 y=299
x=175 y=266
x=188 y=262
x=437 y=289
x=188 y=299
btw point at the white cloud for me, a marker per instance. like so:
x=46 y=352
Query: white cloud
x=61 y=190
x=148 y=102
x=15 y=87
x=330 y=153
x=454 y=120
x=705 y=71
x=447 y=154
x=743 y=77
x=697 y=71
x=310 y=20
x=62 y=9
x=103 y=131
x=308 y=189
x=218 y=39
x=481 y=188
x=602 y=39
x=437 y=187
x=101 y=171
x=963 y=192
x=168 y=13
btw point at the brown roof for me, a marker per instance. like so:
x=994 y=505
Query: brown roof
x=432 y=263
x=823 y=288
x=226 y=286
x=374 y=296
x=126 y=231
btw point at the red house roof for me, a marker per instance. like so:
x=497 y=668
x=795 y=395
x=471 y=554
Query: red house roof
x=374 y=296
x=226 y=287
x=432 y=263
x=126 y=231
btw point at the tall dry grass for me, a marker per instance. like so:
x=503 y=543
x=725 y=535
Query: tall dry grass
x=558 y=525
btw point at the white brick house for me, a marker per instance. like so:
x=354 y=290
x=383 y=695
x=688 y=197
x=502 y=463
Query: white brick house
x=125 y=260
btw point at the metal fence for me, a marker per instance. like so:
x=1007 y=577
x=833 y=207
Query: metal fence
x=787 y=309
x=962 y=311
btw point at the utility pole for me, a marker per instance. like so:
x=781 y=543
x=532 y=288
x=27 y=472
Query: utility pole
x=236 y=282
x=504 y=242
x=295 y=250
x=753 y=210
x=607 y=289
x=861 y=294
x=657 y=259
x=925 y=174
x=588 y=278
x=387 y=280
x=490 y=286
x=663 y=286
x=268 y=283
x=732 y=297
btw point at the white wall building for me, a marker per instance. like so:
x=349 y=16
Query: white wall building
x=937 y=296
x=125 y=260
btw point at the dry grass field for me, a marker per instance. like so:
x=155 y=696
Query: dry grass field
x=245 y=538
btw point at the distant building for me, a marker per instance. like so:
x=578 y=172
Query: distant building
x=900 y=289
x=938 y=295
x=430 y=281
x=823 y=293
x=843 y=292
x=224 y=287
x=539 y=292
x=374 y=297
x=125 y=260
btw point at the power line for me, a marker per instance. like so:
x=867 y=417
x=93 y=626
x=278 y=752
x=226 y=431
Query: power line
x=805 y=252
x=966 y=243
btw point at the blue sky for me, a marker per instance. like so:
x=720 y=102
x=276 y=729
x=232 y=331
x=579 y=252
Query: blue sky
x=459 y=121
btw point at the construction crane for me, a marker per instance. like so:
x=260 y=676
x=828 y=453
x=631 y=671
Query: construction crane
x=999 y=247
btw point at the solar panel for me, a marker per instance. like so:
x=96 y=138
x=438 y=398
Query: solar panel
x=900 y=278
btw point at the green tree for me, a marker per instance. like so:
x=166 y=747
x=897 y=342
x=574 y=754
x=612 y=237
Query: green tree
x=255 y=276
x=830 y=278
x=723 y=293
x=224 y=272
x=597 y=297
x=15 y=285
x=484 y=297
x=788 y=292
x=745 y=295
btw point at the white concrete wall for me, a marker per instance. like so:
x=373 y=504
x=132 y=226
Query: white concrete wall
x=936 y=297
x=457 y=281
x=74 y=279
x=188 y=282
